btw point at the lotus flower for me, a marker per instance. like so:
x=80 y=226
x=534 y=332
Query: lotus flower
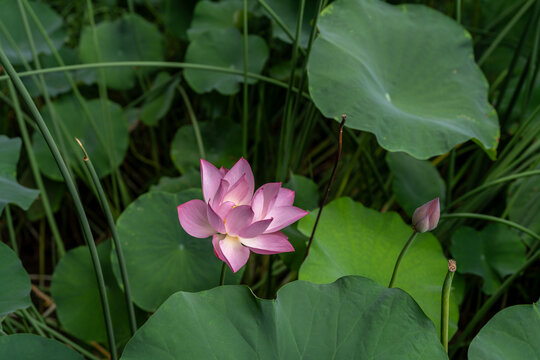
x=426 y=217
x=238 y=220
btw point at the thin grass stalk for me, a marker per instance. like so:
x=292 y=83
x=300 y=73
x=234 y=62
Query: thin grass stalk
x=194 y=122
x=104 y=202
x=479 y=315
x=11 y=229
x=493 y=219
x=505 y=32
x=72 y=83
x=245 y=107
x=41 y=83
x=493 y=183
x=286 y=125
x=532 y=73
x=35 y=171
x=73 y=191
x=158 y=64
x=278 y=21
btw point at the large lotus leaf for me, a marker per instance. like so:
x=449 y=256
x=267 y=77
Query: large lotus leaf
x=405 y=73
x=106 y=143
x=492 y=253
x=130 y=38
x=11 y=192
x=209 y=16
x=524 y=201
x=288 y=13
x=161 y=258
x=74 y=287
x=11 y=20
x=415 y=181
x=32 y=347
x=222 y=144
x=57 y=82
x=191 y=179
x=223 y=48
x=14 y=283
x=354 y=240
x=156 y=107
x=512 y=334
x=353 y=318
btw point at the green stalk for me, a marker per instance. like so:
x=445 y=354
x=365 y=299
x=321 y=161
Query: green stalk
x=401 y=256
x=11 y=230
x=63 y=338
x=159 y=64
x=245 y=85
x=118 y=246
x=445 y=302
x=287 y=124
x=458 y=11
x=278 y=21
x=27 y=316
x=194 y=121
x=479 y=315
x=35 y=171
x=493 y=183
x=505 y=32
x=493 y=219
x=73 y=191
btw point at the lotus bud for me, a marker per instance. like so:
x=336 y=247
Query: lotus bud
x=426 y=217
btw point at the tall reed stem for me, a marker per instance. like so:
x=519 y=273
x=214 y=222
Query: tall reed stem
x=74 y=194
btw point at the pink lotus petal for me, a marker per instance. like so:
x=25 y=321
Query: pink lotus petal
x=264 y=199
x=267 y=244
x=285 y=198
x=239 y=193
x=194 y=220
x=236 y=255
x=238 y=219
x=237 y=171
x=223 y=171
x=255 y=229
x=215 y=242
x=220 y=193
x=284 y=216
x=215 y=220
x=223 y=209
x=210 y=179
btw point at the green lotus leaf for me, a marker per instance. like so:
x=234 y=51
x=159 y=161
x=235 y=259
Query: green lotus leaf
x=354 y=240
x=404 y=73
x=353 y=318
x=14 y=283
x=11 y=192
x=32 y=347
x=512 y=334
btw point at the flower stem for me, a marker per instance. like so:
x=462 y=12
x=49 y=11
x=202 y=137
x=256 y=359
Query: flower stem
x=445 y=303
x=222 y=276
x=117 y=245
x=401 y=256
x=332 y=178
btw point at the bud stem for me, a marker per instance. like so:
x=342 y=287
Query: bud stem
x=445 y=303
x=401 y=256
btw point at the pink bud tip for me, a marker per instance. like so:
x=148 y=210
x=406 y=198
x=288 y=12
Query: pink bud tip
x=426 y=217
